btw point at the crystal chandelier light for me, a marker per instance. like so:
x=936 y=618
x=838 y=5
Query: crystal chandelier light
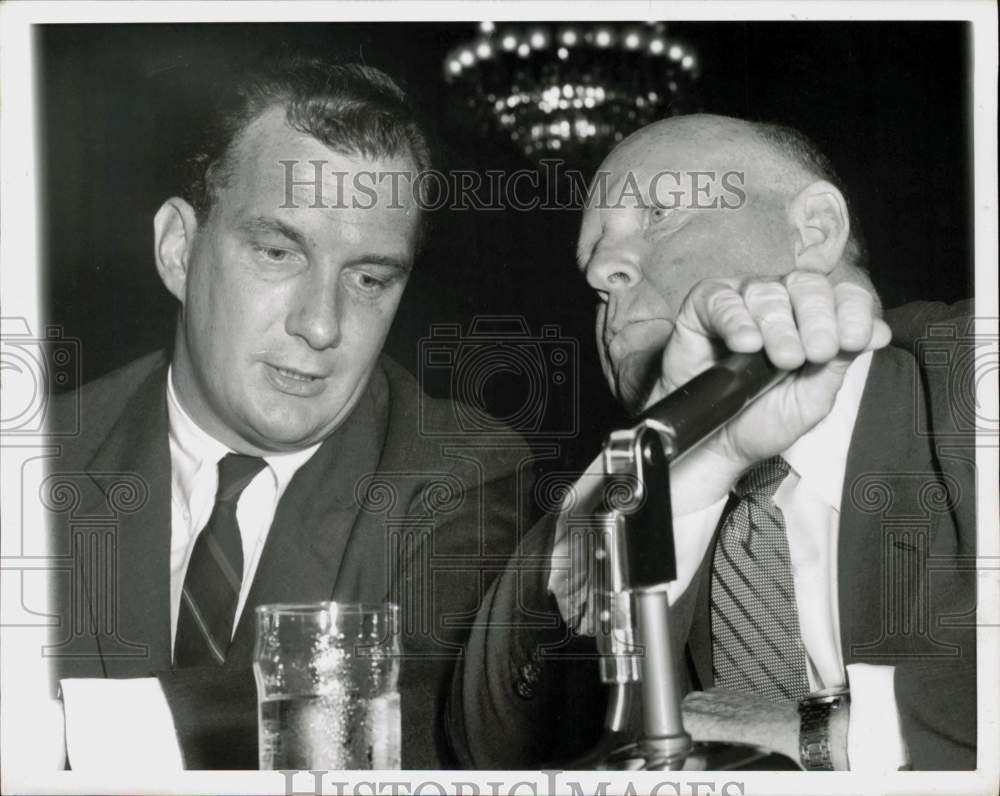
x=572 y=90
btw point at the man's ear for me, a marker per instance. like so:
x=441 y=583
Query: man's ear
x=174 y=227
x=818 y=214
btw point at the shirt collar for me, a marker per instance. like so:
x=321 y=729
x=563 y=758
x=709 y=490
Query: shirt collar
x=192 y=449
x=819 y=457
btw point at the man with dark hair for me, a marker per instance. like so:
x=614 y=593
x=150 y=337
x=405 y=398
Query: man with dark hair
x=348 y=107
x=822 y=597
x=277 y=411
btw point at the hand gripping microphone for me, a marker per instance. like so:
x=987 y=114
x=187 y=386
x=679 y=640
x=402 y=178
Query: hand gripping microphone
x=710 y=400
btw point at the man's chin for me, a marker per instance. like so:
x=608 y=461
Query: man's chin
x=278 y=437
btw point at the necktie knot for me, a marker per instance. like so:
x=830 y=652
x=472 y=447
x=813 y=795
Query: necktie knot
x=236 y=471
x=763 y=479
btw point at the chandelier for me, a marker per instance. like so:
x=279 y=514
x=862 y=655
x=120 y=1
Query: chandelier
x=572 y=90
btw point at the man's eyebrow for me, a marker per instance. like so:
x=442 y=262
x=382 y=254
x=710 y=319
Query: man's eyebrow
x=399 y=263
x=261 y=224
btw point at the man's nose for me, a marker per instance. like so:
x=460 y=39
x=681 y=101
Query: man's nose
x=316 y=314
x=616 y=264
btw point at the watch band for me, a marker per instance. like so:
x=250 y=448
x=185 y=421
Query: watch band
x=814 y=727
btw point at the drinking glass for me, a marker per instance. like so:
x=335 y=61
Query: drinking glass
x=327 y=686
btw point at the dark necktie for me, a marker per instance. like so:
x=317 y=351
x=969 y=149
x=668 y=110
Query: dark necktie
x=215 y=572
x=756 y=645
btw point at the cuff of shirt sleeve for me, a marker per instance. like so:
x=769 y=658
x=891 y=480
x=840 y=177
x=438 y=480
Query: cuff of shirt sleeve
x=122 y=725
x=874 y=737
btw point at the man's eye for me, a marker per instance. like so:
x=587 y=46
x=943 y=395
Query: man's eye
x=658 y=214
x=273 y=253
x=370 y=284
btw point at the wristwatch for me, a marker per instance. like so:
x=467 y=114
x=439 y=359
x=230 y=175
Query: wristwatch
x=814 y=726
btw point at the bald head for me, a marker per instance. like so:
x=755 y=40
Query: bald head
x=773 y=157
x=702 y=197
x=775 y=162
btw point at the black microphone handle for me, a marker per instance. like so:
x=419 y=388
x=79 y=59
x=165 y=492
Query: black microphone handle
x=713 y=398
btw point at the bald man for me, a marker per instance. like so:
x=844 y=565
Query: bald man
x=819 y=592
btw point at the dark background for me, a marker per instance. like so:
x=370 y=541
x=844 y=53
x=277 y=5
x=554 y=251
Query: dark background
x=889 y=103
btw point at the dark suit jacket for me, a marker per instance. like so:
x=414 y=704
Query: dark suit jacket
x=906 y=578
x=379 y=512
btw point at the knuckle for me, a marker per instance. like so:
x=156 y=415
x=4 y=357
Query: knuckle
x=852 y=294
x=764 y=291
x=706 y=288
x=805 y=280
x=816 y=306
x=777 y=326
x=723 y=301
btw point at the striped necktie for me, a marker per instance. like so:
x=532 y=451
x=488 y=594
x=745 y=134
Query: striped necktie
x=756 y=645
x=215 y=572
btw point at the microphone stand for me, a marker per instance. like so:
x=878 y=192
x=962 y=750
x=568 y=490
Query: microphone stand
x=635 y=560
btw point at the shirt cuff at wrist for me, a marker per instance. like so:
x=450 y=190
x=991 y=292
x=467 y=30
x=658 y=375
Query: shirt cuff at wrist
x=874 y=738
x=121 y=725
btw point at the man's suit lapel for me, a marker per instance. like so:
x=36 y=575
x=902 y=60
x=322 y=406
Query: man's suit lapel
x=885 y=453
x=315 y=519
x=132 y=471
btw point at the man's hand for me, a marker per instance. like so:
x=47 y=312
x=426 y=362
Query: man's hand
x=801 y=321
x=736 y=717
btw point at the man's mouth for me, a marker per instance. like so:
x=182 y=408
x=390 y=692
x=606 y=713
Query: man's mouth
x=295 y=374
x=637 y=336
x=293 y=381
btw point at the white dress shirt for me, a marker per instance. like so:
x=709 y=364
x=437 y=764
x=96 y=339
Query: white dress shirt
x=128 y=722
x=194 y=459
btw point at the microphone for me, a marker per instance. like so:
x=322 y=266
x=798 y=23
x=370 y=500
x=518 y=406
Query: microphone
x=711 y=399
